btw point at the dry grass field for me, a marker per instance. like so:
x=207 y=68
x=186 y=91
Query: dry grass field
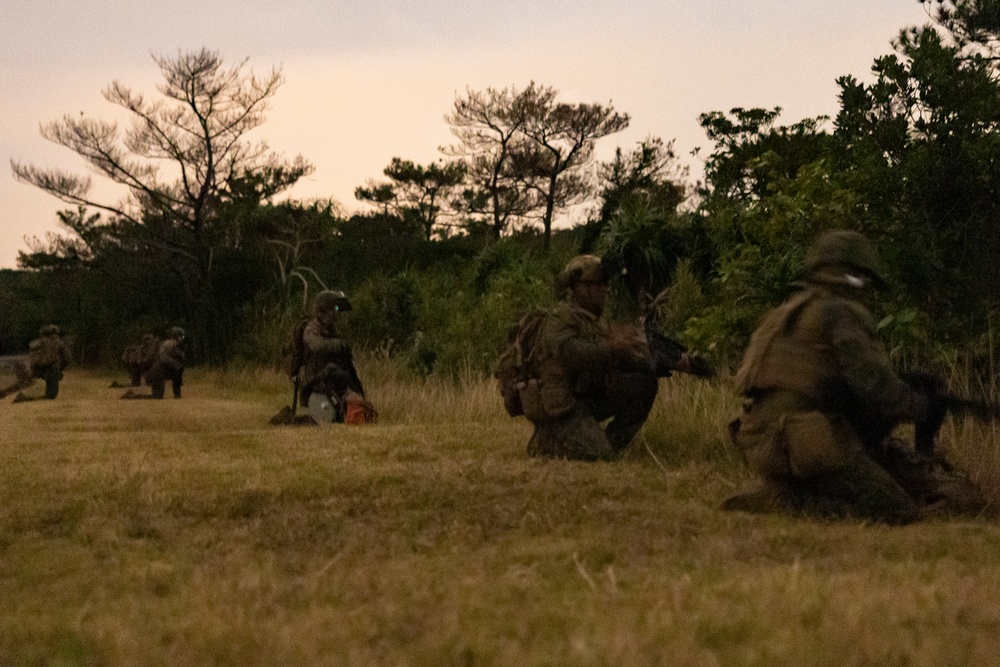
x=190 y=532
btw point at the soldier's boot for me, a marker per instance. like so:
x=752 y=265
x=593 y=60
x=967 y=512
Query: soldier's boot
x=542 y=442
x=764 y=498
x=952 y=493
x=575 y=439
x=861 y=489
x=940 y=489
x=130 y=395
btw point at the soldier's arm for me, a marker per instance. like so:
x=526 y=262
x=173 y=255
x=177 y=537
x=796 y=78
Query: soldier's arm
x=561 y=337
x=622 y=348
x=318 y=343
x=865 y=366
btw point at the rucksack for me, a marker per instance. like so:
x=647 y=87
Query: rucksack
x=513 y=368
x=45 y=351
x=293 y=352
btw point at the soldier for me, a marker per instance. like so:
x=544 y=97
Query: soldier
x=169 y=365
x=329 y=380
x=48 y=357
x=584 y=373
x=822 y=399
x=20 y=366
x=140 y=357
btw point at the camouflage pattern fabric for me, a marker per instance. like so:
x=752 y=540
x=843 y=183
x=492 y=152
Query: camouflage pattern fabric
x=822 y=399
x=20 y=367
x=49 y=356
x=581 y=383
x=139 y=358
x=169 y=365
x=328 y=366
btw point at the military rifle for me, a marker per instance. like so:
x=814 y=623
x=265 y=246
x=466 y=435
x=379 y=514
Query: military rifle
x=668 y=353
x=941 y=403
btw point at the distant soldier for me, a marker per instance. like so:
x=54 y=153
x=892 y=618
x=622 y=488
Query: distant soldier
x=20 y=366
x=168 y=365
x=48 y=356
x=822 y=401
x=584 y=372
x=329 y=382
x=140 y=357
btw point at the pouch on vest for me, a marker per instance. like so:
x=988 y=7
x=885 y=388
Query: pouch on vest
x=530 y=399
x=510 y=392
x=557 y=395
x=762 y=447
x=815 y=444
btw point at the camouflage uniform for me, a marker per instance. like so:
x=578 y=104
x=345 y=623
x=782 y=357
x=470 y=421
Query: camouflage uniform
x=328 y=366
x=822 y=398
x=20 y=366
x=139 y=358
x=49 y=356
x=581 y=378
x=169 y=365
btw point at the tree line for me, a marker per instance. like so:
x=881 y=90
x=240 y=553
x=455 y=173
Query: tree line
x=450 y=252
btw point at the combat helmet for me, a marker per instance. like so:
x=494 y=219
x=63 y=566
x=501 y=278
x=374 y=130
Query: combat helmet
x=581 y=267
x=331 y=300
x=49 y=330
x=176 y=332
x=844 y=248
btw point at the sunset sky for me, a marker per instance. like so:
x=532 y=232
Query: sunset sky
x=367 y=80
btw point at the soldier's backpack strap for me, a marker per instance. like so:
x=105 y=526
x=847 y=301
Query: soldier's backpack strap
x=776 y=324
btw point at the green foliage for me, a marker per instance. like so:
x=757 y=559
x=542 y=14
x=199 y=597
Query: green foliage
x=686 y=298
x=444 y=321
x=386 y=311
x=920 y=143
x=773 y=191
x=452 y=255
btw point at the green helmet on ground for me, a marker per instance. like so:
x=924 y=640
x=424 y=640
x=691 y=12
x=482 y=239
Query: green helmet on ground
x=331 y=300
x=844 y=248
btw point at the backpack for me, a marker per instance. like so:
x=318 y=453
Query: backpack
x=513 y=368
x=44 y=352
x=293 y=352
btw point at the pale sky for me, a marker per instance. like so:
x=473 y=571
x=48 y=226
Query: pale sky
x=369 y=80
